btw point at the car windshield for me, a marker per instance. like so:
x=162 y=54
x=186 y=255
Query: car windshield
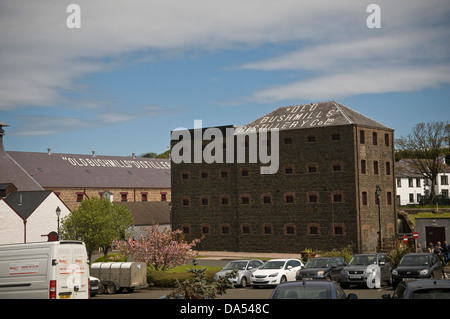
x=239 y=265
x=317 y=263
x=273 y=265
x=414 y=260
x=440 y=293
x=363 y=260
x=300 y=292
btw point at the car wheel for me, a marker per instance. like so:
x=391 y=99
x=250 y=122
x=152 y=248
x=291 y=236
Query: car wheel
x=243 y=282
x=283 y=279
x=111 y=288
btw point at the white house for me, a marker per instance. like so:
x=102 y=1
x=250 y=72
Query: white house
x=411 y=185
x=29 y=216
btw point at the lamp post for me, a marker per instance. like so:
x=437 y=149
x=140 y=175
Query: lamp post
x=58 y=212
x=378 y=192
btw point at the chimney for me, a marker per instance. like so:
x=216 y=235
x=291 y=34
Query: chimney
x=2 y=132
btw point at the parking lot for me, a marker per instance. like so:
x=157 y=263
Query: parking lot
x=220 y=259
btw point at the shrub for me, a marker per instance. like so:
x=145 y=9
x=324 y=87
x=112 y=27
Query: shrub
x=346 y=253
x=168 y=278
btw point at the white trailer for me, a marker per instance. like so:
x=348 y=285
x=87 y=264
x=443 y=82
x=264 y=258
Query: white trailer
x=44 y=270
x=115 y=276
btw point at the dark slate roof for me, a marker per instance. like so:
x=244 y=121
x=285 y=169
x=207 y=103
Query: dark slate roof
x=25 y=203
x=74 y=170
x=311 y=116
x=12 y=172
x=406 y=168
x=148 y=213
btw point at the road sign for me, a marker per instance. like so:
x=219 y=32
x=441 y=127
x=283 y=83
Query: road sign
x=415 y=235
x=405 y=239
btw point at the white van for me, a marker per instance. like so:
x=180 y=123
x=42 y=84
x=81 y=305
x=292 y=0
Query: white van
x=44 y=270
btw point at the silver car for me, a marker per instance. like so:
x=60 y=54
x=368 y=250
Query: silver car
x=244 y=267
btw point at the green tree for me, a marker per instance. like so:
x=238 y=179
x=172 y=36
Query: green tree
x=425 y=146
x=97 y=222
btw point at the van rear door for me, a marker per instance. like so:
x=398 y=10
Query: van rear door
x=73 y=272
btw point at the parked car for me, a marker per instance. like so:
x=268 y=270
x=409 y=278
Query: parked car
x=360 y=270
x=94 y=286
x=417 y=266
x=244 y=267
x=328 y=268
x=310 y=290
x=421 y=289
x=275 y=271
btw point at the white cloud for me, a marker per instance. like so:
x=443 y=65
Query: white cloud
x=41 y=59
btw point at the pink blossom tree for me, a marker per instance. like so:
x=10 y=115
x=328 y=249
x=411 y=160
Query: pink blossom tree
x=161 y=249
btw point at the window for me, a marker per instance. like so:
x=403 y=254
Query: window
x=311 y=138
x=313 y=198
x=375 y=167
x=267 y=199
x=123 y=196
x=288 y=170
x=337 y=167
x=338 y=230
x=364 y=198
x=289 y=229
x=312 y=168
x=289 y=198
x=374 y=138
x=205 y=229
x=204 y=174
x=410 y=182
x=389 y=198
x=185 y=202
x=287 y=140
x=226 y=229
x=362 y=137
x=186 y=229
x=267 y=229
x=313 y=230
x=363 y=166
x=204 y=201
x=444 y=180
x=388 y=168
x=245 y=172
x=224 y=201
x=399 y=182
x=224 y=174
x=386 y=139
x=144 y=196
x=245 y=200
x=163 y=196
x=79 y=197
x=245 y=229
x=335 y=137
x=338 y=198
x=411 y=198
x=418 y=182
x=184 y=176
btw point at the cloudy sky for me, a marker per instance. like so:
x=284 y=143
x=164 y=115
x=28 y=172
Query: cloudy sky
x=136 y=70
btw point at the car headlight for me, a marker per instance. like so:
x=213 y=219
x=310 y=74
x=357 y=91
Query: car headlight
x=320 y=273
x=274 y=274
x=424 y=272
x=395 y=272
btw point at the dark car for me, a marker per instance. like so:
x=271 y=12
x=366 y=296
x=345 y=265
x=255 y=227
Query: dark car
x=417 y=266
x=327 y=268
x=421 y=289
x=310 y=289
x=360 y=270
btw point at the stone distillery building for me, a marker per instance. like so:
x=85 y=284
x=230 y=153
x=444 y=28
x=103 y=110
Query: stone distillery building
x=322 y=195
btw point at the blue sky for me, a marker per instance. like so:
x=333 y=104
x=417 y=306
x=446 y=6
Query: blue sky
x=136 y=70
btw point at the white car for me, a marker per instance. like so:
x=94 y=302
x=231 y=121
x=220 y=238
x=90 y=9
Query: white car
x=275 y=271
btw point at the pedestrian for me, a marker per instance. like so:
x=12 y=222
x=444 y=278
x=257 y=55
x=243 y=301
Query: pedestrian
x=419 y=248
x=445 y=252
x=430 y=248
x=438 y=251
